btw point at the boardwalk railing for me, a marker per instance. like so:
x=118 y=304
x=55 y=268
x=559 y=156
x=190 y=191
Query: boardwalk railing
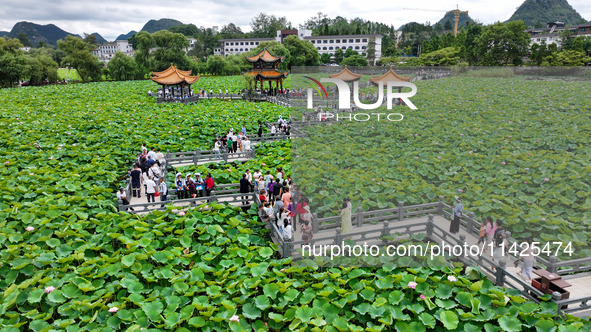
x=552 y=264
x=197 y=156
x=188 y=100
x=390 y=218
x=239 y=199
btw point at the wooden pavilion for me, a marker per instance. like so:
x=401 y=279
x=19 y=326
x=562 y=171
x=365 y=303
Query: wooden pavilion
x=389 y=76
x=346 y=75
x=265 y=68
x=179 y=80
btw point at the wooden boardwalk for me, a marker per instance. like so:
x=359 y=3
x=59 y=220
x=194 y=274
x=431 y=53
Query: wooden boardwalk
x=437 y=232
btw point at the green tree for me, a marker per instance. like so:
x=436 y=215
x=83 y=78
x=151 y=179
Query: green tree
x=79 y=56
x=301 y=52
x=325 y=58
x=231 y=31
x=90 y=39
x=339 y=55
x=41 y=68
x=216 y=65
x=354 y=60
x=448 y=56
x=501 y=43
x=142 y=42
x=123 y=68
x=170 y=48
x=264 y=25
x=188 y=30
x=14 y=63
x=371 y=51
x=24 y=39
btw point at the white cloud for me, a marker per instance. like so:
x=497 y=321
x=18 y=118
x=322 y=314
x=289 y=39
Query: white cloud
x=111 y=18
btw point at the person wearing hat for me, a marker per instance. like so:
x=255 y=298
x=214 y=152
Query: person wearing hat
x=199 y=185
x=180 y=186
x=454 y=228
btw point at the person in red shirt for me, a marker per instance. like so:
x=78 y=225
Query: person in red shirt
x=262 y=196
x=209 y=184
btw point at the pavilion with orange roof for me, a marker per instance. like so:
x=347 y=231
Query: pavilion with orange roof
x=389 y=76
x=172 y=77
x=346 y=75
x=265 y=68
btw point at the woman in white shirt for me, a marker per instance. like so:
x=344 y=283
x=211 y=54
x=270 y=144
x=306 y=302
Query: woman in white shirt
x=287 y=231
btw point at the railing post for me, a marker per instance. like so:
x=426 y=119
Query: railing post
x=552 y=260
x=120 y=203
x=337 y=238
x=286 y=248
x=213 y=198
x=440 y=207
x=385 y=232
x=470 y=222
x=500 y=273
x=430 y=226
x=314 y=223
x=401 y=210
x=359 y=216
x=462 y=240
x=225 y=156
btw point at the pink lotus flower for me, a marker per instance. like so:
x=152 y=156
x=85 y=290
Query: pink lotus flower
x=451 y=279
x=412 y=284
x=460 y=190
x=503 y=163
x=182 y=213
x=281 y=159
x=422 y=297
x=7 y=162
x=31 y=174
x=30 y=229
x=113 y=310
x=528 y=202
x=546 y=179
x=235 y=318
x=471 y=152
x=527 y=168
x=543 y=219
x=438 y=157
x=525 y=182
x=49 y=289
x=436 y=143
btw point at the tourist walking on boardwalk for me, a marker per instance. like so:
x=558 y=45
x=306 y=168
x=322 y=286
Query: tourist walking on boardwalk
x=136 y=181
x=273 y=130
x=216 y=149
x=199 y=183
x=454 y=228
x=489 y=231
x=528 y=260
x=160 y=159
x=260 y=133
x=163 y=191
x=234 y=142
x=122 y=196
x=150 y=189
x=154 y=172
x=180 y=186
x=230 y=143
x=346 y=226
x=500 y=250
x=209 y=184
x=245 y=189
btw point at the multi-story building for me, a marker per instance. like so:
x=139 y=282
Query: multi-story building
x=324 y=44
x=106 y=51
x=551 y=33
x=359 y=43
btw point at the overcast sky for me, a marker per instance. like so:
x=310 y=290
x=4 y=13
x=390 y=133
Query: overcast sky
x=111 y=18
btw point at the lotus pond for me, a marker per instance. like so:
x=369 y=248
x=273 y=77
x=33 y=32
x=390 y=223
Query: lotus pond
x=71 y=262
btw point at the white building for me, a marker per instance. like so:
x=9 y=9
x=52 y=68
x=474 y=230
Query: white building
x=324 y=44
x=106 y=51
x=551 y=33
x=359 y=43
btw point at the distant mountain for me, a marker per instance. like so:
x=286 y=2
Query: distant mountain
x=450 y=16
x=127 y=35
x=536 y=13
x=99 y=38
x=162 y=24
x=4 y=33
x=37 y=33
